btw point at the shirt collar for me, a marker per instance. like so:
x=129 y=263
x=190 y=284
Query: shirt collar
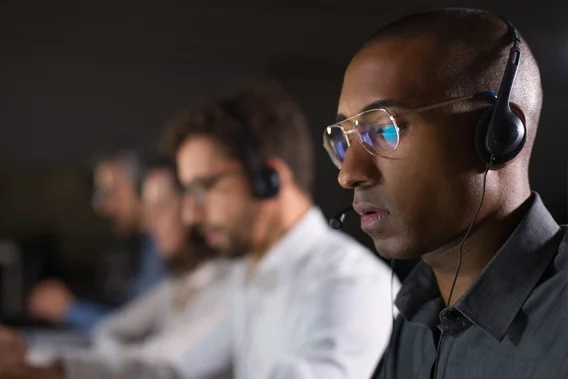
x=296 y=242
x=418 y=288
x=497 y=295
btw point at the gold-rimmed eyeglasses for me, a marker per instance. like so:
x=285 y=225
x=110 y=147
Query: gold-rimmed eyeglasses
x=377 y=129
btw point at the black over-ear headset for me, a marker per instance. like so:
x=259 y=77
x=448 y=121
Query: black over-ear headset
x=264 y=180
x=501 y=133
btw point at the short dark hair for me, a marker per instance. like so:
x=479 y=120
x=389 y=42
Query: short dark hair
x=277 y=123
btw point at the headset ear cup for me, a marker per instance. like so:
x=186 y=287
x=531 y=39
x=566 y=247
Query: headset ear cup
x=481 y=130
x=515 y=130
x=267 y=183
x=517 y=133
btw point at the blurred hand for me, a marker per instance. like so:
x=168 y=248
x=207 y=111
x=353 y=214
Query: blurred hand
x=13 y=350
x=50 y=300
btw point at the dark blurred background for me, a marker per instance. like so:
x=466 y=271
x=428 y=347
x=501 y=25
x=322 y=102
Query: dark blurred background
x=75 y=77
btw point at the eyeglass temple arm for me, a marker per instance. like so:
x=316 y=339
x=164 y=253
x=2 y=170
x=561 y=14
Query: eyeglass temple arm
x=489 y=94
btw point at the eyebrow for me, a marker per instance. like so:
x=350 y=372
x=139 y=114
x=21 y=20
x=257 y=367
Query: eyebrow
x=374 y=105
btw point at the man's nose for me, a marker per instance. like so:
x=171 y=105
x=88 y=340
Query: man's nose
x=358 y=168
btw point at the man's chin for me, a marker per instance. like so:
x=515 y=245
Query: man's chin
x=392 y=249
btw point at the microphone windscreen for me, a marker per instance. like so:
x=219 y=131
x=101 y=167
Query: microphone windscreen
x=335 y=223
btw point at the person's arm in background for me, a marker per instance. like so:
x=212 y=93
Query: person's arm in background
x=198 y=347
x=130 y=324
x=84 y=315
x=52 y=301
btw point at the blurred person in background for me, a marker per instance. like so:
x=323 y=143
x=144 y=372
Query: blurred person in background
x=310 y=301
x=171 y=331
x=131 y=266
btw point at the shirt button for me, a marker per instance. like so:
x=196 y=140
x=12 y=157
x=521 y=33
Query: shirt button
x=452 y=321
x=448 y=314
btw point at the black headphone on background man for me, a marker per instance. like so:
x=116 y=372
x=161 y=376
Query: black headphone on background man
x=500 y=133
x=264 y=180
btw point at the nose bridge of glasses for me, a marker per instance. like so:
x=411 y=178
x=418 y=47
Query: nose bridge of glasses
x=348 y=133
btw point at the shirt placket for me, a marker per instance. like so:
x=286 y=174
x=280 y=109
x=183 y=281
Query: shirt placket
x=451 y=321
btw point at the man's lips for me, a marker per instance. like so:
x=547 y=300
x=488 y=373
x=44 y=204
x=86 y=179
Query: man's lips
x=371 y=216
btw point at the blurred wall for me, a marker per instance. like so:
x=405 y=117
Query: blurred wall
x=75 y=77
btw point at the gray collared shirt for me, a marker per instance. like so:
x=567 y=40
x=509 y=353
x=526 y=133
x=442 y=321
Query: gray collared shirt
x=511 y=323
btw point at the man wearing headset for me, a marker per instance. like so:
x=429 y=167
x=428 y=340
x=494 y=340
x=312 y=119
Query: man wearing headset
x=310 y=302
x=431 y=164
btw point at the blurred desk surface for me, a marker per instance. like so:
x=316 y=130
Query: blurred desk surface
x=53 y=337
x=46 y=344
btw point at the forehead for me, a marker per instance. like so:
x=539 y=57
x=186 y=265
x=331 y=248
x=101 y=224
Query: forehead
x=199 y=157
x=107 y=173
x=157 y=185
x=389 y=69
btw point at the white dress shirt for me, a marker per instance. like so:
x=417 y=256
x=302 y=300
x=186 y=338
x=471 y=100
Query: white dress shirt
x=317 y=306
x=157 y=338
